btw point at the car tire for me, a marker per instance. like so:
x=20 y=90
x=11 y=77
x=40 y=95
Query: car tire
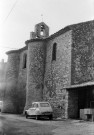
x=26 y=115
x=50 y=117
x=37 y=117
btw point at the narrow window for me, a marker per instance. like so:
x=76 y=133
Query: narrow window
x=41 y=33
x=24 y=61
x=54 y=52
x=42 y=29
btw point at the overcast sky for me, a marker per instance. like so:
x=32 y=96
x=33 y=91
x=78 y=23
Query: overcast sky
x=18 y=17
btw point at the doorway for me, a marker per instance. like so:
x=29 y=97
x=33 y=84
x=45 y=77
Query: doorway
x=80 y=98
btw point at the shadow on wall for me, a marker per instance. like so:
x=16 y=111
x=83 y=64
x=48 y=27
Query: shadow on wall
x=14 y=99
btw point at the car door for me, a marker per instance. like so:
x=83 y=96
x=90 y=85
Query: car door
x=32 y=110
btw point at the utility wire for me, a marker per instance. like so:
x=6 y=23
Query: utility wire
x=7 y=47
x=10 y=11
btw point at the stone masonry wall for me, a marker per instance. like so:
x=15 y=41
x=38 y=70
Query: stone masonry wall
x=58 y=73
x=83 y=53
x=2 y=79
x=82 y=63
x=21 y=87
x=35 y=72
x=11 y=95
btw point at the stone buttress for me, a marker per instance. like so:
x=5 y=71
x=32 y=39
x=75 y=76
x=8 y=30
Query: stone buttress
x=36 y=64
x=10 y=98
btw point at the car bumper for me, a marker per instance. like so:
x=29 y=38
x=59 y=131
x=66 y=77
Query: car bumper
x=46 y=113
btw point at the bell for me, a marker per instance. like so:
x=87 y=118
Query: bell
x=42 y=27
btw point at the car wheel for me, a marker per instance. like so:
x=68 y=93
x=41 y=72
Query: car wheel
x=37 y=117
x=26 y=114
x=50 y=117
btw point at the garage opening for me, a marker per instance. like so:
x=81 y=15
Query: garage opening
x=80 y=98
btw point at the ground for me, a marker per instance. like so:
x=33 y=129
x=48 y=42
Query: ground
x=19 y=125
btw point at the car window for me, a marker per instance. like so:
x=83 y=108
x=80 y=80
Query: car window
x=44 y=104
x=35 y=105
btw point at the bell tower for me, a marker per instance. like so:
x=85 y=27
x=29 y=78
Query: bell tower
x=36 y=60
x=41 y=30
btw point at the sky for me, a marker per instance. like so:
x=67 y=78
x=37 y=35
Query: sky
x=18 y=18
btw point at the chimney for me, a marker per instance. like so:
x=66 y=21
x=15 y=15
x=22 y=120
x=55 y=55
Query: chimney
x=32 y=35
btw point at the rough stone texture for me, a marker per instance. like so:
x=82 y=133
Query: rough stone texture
x=35 y=72
x=58 y=73
x=10 y=99
x=59 y=104
x=83 y=53
x=21 y=87
x=15 y=94
x=82 y=65
x=2 y=79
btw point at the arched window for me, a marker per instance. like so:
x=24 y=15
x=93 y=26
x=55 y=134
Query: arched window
x=24 y=60
x=54 y=51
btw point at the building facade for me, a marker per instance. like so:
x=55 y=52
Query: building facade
x=57 y=68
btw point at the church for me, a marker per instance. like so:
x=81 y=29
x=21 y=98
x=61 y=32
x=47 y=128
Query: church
x=58 y=68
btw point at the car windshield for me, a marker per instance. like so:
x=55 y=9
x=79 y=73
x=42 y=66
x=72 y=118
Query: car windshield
x=34 y=105
x=44 y=104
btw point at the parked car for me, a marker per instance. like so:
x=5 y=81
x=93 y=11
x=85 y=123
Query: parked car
x=40 y=109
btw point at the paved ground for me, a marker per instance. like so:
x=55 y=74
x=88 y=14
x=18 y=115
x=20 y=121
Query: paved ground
x=76 y=128
x=19 y=125
x=14 y=125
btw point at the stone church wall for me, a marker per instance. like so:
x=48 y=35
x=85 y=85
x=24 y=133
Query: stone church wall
x=22 y=79
x=15 y=93
x=83 y=53
x=2 y=79
x=82 y=63
x=58 y=73
x=11 y=95
x=35 y=72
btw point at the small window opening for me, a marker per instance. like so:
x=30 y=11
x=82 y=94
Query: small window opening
x=42 y=29
x=41 y=33
x=54 y=51
x=24 y=61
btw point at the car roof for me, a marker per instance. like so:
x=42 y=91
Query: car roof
x=39 y=102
